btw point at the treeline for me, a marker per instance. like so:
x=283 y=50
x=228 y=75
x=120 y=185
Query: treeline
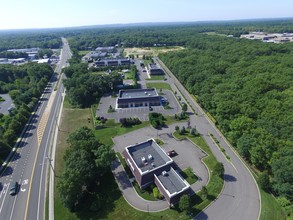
x=25 y=85
x=84 y=87
x=168 y=34
x=86 y=161
x=21 y=39
x=248 y=87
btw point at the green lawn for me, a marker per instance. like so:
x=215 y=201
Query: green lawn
x=159 y=141
x=146 y=194
x=270 y=209
x=114 y=129
x=215 y=184
x=156 y=78
x=158 y=85
x=83 y=52
x=114 y=206
x=189 y=176
x=71 y=120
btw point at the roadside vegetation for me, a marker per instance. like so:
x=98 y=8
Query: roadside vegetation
x=244 y=85
x=25 y=84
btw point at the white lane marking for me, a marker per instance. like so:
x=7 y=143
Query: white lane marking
x=25 y=182
x=5 y=192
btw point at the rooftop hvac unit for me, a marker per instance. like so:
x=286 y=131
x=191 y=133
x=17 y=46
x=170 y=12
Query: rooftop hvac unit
x=150 y=157
x=164 y=173
x=143 y=159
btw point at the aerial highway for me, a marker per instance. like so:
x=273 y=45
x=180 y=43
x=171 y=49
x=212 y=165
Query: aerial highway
x=240 y=198
x=30 y=163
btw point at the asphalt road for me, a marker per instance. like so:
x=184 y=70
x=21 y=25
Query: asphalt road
x=240 y=197
x=29 y=165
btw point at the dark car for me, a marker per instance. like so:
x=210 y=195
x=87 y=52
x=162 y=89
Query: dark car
x=14 y=189
x=172 y=153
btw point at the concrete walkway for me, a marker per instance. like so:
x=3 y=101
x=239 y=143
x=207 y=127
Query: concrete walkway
x=130 y=194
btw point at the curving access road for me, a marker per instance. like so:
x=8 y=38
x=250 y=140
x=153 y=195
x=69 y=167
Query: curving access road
x=240 y=197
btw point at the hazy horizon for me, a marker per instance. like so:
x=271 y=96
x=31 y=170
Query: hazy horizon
x=35 y=14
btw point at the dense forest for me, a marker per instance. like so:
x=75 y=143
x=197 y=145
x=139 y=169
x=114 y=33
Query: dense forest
x=169 y=34
x=20 y=39
x=25 y=85
x=248 y=87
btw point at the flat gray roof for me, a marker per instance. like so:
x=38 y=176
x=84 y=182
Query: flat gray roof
x=143 y=150
x=137 y=93
x=172 y=181
x=154 y=66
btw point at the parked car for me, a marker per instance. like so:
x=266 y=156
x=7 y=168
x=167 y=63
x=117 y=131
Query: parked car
x=172 y=153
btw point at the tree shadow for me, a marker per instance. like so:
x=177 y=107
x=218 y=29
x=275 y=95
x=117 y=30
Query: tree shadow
x=108 y=193
x=31 y=127
x=202 y=216
x=22 y=144
x=28 y=134
x=229 y=178
x=16 y=156
x=8 y=171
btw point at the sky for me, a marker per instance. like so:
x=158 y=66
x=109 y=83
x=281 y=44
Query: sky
x=22 y=14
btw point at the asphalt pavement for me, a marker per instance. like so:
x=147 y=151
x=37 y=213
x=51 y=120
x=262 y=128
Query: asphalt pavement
x=29 y=165
x=240 y=198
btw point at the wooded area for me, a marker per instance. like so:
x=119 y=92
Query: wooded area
x=248 y=87
x=25 y=85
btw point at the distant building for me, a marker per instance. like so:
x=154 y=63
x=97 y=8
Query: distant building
x=155 y=69
x=149 y=164
x=105 y=49
x=138 y=98
x=25 y=50
x=113 y=62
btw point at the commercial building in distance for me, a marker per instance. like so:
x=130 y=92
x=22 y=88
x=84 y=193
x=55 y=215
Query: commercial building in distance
x=138 y=98
x=105 y=49
x=113 y=62
x=155 y=69
x=150 y=164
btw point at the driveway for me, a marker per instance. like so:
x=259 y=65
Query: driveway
x=189 y=155
x=139 y=112
x=130 y=194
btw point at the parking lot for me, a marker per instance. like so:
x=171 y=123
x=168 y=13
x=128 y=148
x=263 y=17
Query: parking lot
x=188 y=155
x=137 y=112
x=8 y=103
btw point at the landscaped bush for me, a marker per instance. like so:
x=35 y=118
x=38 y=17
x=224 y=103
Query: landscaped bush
x=128 y=122
x=157 y=120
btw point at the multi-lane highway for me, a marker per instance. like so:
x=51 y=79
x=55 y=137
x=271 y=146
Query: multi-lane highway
x=240 y=198
x=30 y=163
